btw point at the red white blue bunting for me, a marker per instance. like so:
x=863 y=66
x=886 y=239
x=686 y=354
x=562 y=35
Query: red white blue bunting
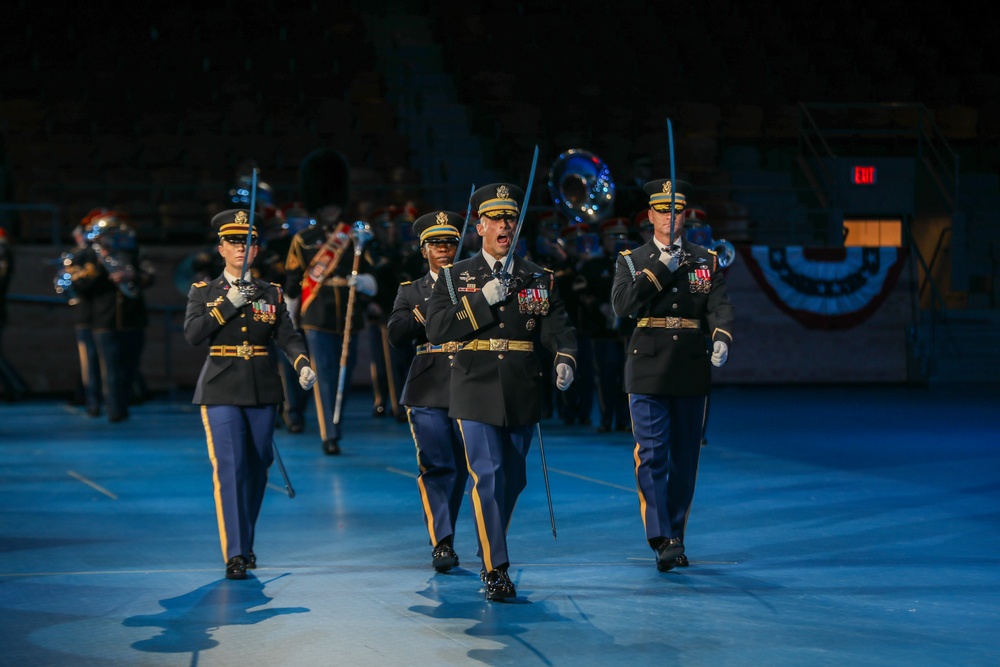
x=826 y=288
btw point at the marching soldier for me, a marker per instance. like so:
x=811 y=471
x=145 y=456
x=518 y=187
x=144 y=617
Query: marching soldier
x=496 y=379
x=440 y=453
x=239 y=387
x=676 y=291
x=319 y=280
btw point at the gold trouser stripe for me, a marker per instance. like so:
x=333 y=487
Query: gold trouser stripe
x=477 y=504
x=652 y=279
x=215 y=482
x=420 y=484
x=667 y=323
x=635 y=459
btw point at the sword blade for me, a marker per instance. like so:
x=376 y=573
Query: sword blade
x=509 y=260
x=253 y=205
x=468 y=214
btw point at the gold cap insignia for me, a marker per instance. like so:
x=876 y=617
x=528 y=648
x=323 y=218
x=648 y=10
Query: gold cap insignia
x=241 y=217
x=441 y=218
x=667 y=187
x=503 y=192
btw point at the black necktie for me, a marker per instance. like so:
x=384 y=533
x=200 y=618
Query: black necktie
x=498 y=267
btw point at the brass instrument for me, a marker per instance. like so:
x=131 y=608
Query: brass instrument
x=114 y=242
x=581 y=186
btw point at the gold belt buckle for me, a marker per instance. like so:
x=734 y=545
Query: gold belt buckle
x=245 y=351
x=450 y=346
x=673 y=322
x=499 y=344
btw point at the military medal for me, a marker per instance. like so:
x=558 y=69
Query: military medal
x=530 y=324
x=700 y=281
x=264 y=312
x=534 y=301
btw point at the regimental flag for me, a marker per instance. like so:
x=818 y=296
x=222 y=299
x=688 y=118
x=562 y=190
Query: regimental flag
x=826 y=288
x=324 y=263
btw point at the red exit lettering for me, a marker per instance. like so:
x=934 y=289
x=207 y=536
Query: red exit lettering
x=863 y=175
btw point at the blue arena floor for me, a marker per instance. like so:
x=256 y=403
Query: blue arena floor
x=831 y=526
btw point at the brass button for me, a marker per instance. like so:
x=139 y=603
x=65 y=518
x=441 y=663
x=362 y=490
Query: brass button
x=501 y=309
x=501 y=325
x=674 y=289
x=674 y=306
x=451 y=356
x=499 y=356
x=243 y=329
x=243 y=314
x=676 y=337
x=635 y=351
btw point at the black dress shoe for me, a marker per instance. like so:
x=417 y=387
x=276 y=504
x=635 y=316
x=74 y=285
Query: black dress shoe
x=252 y=561
x=236 y=568
x=295 y=427
x=667 y=554
x=443 y=558
x=330 y=447
x=499 y=586
x=681 y=561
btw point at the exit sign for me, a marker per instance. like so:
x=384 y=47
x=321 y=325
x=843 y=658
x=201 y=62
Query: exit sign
x=863 y=175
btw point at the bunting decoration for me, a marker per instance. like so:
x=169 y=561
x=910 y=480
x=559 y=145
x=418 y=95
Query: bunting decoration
x=826 y=288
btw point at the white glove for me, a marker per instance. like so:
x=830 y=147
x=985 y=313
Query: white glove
x=564 y=376
x=364 y=283
x=720 y=352
x=494 y=292
x=307 y=377
x=670 y=261
x=236 y=297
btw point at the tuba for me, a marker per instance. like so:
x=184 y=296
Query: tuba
x=115 y=242
x=698 y=231
x=581 y=186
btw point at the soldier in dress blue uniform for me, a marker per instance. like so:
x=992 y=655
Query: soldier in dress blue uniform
x=676 y=291
x=440 y=453
x=239 y=387
x=496 y=379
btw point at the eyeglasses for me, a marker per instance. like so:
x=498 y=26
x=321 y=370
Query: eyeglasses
x=442 y=242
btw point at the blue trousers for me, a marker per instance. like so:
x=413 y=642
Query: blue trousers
x=239 y=447
x=324 y=352
x=443 y=470
x=496 y=459
x=667 y=432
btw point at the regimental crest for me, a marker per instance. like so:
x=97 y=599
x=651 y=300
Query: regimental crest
x=668 y=188
x=503 y=192
x=241 y=218
x=441 y=218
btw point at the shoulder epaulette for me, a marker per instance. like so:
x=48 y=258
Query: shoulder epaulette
x=200 y=284
x=448 y=266
x=548 y=269
x=711 y=252
x=625 y=252
x=406 y=282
